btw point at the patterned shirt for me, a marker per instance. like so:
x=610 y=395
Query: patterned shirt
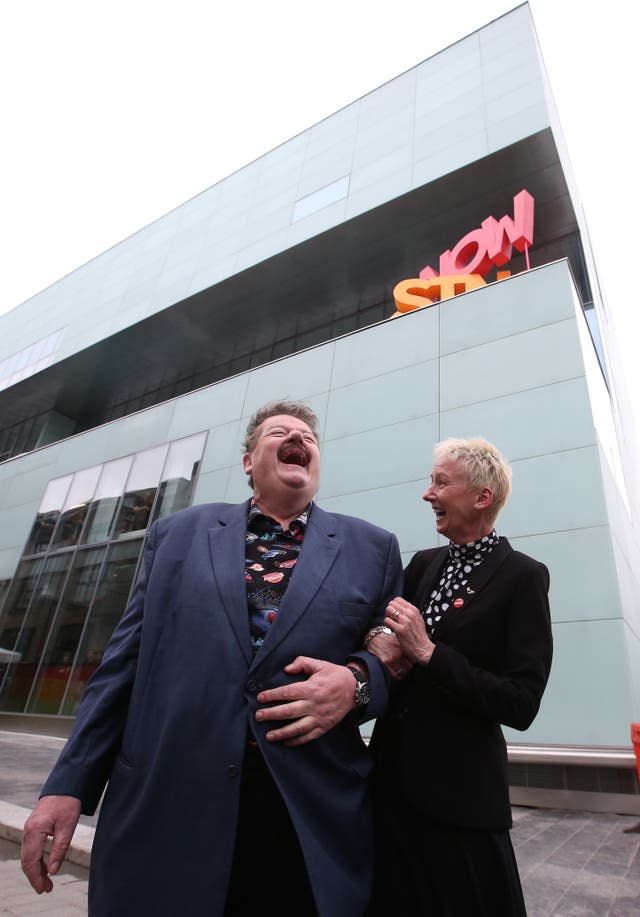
x=462 y=559
x=270 y=557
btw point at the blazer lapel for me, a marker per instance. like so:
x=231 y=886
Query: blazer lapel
x=431 y=575
x=227 y=547
x=480 y=575
x=319 y=551
x=476 y=580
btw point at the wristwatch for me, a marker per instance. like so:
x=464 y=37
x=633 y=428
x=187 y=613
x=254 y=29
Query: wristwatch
x=362 y=687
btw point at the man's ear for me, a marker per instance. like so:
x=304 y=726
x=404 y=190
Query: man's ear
x=246 y=462
x=484 y=498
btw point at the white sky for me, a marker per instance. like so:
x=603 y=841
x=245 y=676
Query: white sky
x=114 y=113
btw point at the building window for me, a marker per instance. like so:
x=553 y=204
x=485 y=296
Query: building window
x=48 y=515
x=103 y=613
x=321 y=198
x=106 y=500
x=31 y=622
x=30 y=360
x=178 y=475
x=72 y=584
x=74 y=512
x=140 y=492
x=4 y=588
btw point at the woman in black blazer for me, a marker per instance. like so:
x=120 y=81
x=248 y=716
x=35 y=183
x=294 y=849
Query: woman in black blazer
x=470 y=645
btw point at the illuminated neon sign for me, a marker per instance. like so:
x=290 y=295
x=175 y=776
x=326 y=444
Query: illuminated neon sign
x=464 y=267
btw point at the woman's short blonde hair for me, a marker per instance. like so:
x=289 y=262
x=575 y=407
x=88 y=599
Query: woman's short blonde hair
x=485 y=466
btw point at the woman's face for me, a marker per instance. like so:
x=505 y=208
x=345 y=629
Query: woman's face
x=461 y=513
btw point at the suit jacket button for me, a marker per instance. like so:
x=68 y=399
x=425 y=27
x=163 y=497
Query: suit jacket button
x=232 y=770
x=252 y=686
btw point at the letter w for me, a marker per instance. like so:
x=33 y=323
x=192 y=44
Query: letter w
x=518 y=232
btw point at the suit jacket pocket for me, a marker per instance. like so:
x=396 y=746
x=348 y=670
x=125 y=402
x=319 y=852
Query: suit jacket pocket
x=358 y=617
x=360 y=610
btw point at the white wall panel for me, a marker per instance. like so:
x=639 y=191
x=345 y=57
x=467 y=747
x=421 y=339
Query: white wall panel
x=513 y=419
x=528 y=300
x=522 y=361
x=393 y=397
x=588 y=699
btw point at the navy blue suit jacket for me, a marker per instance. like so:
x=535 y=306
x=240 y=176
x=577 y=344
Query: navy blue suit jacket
x=164 y=719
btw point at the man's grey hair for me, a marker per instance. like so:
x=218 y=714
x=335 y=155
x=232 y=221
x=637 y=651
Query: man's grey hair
x=484 y=466
x=291 y=408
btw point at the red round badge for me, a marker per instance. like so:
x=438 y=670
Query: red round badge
x=458 y=603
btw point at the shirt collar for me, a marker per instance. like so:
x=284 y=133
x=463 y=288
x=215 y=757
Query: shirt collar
x=472 y=549
x=256 y=513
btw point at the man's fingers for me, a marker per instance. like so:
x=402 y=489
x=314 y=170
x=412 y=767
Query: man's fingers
x=293 y=692
x=59 y=849
x=303 y=739
x=34 y=865
x=32 y=857
x=281 y=712
x=303 y=664
x=294 y=733
x=35 y=869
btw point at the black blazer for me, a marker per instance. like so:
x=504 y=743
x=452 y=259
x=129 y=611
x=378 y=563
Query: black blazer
x=440 y=743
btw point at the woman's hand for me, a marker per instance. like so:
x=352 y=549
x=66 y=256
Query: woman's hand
x=406 y=622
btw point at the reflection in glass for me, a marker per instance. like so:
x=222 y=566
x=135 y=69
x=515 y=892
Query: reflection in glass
x=12 y=638
x=29 y=360
x=323 y=197
x=33 y=634
x=594 y=329
x=52 y=502
x=179 y=475
x=4 y=588
x=64 y=636
x=59 y=610
x=106 y=499
x=75 y=507
x=141 y=490
x=105 y=611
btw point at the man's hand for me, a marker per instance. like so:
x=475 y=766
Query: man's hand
x=387 y=648
x=315 y=706
x=54 y=816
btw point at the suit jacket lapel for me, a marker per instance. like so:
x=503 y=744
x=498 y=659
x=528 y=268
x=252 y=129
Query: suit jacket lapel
x=227 y=546
x=319 y=551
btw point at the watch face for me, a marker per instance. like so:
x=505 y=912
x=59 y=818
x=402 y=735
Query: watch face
x=362 y=688
x=362 y=693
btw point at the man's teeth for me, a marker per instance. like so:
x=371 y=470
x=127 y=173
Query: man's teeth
x=293 y=457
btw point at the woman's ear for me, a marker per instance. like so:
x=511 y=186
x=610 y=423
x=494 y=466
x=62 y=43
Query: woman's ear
x=484 y=498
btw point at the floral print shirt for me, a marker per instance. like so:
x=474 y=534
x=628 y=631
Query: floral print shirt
x=270 y=558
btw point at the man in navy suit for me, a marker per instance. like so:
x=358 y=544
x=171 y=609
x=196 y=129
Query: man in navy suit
x=224 y=716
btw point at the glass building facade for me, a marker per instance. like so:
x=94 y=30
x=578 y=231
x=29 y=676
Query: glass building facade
x=77 y=569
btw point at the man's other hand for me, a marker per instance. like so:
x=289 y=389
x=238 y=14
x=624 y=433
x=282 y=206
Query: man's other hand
x=56 y=817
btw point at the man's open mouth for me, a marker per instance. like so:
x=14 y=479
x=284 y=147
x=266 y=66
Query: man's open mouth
x=439 y=513
x=294 y=454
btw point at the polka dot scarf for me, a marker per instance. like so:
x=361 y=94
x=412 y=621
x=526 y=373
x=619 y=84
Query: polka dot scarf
x=449 y=591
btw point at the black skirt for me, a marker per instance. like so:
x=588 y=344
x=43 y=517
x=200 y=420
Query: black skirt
x=425 y=869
